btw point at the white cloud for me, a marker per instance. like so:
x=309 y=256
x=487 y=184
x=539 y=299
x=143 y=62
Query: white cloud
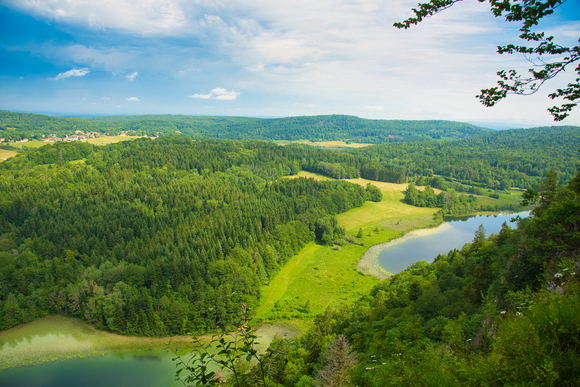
x=373 y=108
x=223 y=94
x=345 y=53
x=181 y=73
x=71 y=73
x=255 y=68
x=218 y=93
x=133 y=99
x=311 y=105
x=106 y=98
x=146 y=17
x=201 y=96
x=132 y=76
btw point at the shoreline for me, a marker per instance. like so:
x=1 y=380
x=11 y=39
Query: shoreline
x=57 y=338
x=369 y=263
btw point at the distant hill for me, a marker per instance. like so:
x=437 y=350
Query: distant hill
x=313 y=128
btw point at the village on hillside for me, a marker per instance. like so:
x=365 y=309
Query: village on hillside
x=78 y=135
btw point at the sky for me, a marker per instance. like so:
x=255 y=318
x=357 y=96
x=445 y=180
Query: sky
x=265 y=58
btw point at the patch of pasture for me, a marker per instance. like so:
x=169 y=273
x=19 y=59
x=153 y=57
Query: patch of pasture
x=104 y=140
x=391 y=207
x=29 y=144
x=315 y=176
x=6 y=154
x=312 y=280
x=325 y=144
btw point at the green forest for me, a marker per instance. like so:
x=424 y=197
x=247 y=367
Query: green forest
x=519 y=156
x=180 y=234
x=314 y=128
x=502 y=310
x=152 y=237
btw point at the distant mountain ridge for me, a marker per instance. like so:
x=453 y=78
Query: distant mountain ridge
x=313 y=128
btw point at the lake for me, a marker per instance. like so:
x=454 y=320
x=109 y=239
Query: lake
x=397 y=255
x=135 y=368
x=62 y=351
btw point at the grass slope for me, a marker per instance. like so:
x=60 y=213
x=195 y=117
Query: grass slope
x=6 y=154
x=320 y=276
x=325 y=144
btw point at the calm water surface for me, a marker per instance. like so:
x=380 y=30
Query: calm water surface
x=112 y=370
x=136 y=362
x=457 y=232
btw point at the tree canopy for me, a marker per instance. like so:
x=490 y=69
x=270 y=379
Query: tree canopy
x=528 y=13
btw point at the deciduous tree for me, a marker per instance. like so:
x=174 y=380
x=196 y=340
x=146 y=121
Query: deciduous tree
x=528 y=13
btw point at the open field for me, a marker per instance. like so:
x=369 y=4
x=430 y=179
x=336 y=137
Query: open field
x=514 y=196
x=325 y=144
x=6 y=154
x=29 y=144
x=373 y=214
x=311 y=175
x=321 y=276
x=104 y=140
x=390 y=208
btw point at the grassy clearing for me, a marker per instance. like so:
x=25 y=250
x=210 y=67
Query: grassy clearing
x=6 y=154
x=325 y=144
x=29 y=144
x=104 y=140
x=380 y=214
x=320 y=276
x=513 y=197
x=311 y=175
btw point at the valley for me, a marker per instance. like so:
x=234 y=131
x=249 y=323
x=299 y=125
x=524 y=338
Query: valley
x=118 y=244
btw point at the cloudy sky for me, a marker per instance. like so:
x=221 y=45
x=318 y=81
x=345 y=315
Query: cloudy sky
x=265 y=58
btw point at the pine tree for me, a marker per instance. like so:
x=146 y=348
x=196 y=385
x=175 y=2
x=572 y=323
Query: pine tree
x=338 y=361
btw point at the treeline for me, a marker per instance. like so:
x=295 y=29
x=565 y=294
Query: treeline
x=266 y=160
x=503 y=310
x=497 y=160
x=155 y=237
x=16 y=126
x=379 y=173
x=450 y=202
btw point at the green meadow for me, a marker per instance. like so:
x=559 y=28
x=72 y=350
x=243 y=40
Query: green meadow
x=29 y=144
x=104 y=140
x=324 y=144
x=320 y=276
x=6 y=154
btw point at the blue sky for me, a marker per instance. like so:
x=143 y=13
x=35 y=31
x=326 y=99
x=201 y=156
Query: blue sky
x=265 y=58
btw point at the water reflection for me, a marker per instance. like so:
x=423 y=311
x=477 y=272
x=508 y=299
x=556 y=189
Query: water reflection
x=458 y=231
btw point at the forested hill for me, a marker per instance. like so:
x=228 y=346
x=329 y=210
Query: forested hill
x=501 y=311
x=160 y=236
x=314 y=128
x=519 y=156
